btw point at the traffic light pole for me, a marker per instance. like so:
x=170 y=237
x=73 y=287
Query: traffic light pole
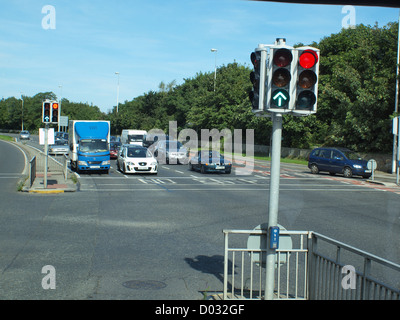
x=46 y=152
x=273 y=202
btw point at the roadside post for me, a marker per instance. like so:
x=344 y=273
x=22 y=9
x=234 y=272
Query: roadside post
x=371 y=165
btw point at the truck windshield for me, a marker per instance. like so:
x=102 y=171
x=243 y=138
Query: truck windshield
x=135 y=137
x=93 y=145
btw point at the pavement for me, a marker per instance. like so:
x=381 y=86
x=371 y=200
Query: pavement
x=57 y=182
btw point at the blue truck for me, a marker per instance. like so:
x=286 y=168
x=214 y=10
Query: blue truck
x=89 y=145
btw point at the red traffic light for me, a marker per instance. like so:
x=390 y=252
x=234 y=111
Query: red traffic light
x=283 y=57
x=308 y=59
x=55 y=106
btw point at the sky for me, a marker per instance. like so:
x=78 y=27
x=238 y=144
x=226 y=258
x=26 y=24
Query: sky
x=74 y=48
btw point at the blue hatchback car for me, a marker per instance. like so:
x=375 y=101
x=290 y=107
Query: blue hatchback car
x=338 y=160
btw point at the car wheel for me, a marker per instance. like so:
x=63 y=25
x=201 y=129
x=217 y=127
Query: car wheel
x=191 y=167
x=347 y=172
x=228 y=171
x=314 y=169
x=203 y=170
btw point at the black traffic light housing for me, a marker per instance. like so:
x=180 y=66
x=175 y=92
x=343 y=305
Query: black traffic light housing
x=50 y=112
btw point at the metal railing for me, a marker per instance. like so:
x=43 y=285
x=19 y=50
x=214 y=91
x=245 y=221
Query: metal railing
x=244 y=269
x=315 y=267
x=342 y=272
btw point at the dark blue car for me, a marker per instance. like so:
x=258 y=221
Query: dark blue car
x=338 y=160
x=210 y=161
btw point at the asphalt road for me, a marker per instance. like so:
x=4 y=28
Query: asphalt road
x=160 y=237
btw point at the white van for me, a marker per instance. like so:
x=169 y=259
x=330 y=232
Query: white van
x=130 y=136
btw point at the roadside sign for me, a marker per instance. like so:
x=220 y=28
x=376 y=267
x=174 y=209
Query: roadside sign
x=63 y=121
x=371 y=165
x=50 y=136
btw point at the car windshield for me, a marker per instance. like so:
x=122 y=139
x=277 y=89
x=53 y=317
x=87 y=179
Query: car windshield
x=60 y=143
x=210 y=154
x=115 y=146
x=351 y=155
x=93 y=145
x=138 y=153
x=173 y=145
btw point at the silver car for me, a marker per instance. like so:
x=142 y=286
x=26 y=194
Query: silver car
x=59 y=147
x=24 y=135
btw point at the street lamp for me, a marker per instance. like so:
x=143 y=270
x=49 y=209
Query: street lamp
x=215 y=67
x=22 y=100
x=117 y=73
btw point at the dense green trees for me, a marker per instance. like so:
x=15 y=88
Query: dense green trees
x=355 y=103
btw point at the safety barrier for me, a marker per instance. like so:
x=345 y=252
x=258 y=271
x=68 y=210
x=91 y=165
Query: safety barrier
x=32 y=171
x=314 y=267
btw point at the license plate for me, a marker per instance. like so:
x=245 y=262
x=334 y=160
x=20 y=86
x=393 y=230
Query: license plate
x=219 y=167
x=143 y=168
x=368 y=171
x=95 y=167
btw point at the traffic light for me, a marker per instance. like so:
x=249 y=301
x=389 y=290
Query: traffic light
x=46 y=112
x=281 y=88
x=307 y=80
x=257 y=77
x=54 y=112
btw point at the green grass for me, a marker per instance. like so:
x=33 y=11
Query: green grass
x=7 y=138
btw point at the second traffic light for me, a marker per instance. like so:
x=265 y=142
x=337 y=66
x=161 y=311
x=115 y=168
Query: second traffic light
x=307 y=67
x=54 y=112
x=280 y=84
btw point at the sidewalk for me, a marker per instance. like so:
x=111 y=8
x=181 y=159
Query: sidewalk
x=383 y=178
x=56 y=182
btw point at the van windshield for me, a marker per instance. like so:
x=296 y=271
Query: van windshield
x=135 y=137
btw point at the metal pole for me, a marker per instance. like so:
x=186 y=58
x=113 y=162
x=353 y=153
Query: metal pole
x=22 y=99
x=117 y=73
x=215 y=67
x=46 y=152
x=396 y=148
x=59 y=107
x=273 y=201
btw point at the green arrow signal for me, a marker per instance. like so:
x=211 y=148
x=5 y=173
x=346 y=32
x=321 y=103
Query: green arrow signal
x=280 y=98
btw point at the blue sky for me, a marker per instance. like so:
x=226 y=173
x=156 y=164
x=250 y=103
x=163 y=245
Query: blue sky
x=146 y=41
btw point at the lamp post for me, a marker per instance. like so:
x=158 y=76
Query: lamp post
x=117 y=73
x=215 y=66
x=22 y=101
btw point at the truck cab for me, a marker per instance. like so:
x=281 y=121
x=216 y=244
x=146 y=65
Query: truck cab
x=89 y=145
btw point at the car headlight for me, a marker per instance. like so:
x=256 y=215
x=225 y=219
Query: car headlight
x=357 y=166
x=82 y=163
x=130 y=164
x=154 y=163
x=105 y=163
